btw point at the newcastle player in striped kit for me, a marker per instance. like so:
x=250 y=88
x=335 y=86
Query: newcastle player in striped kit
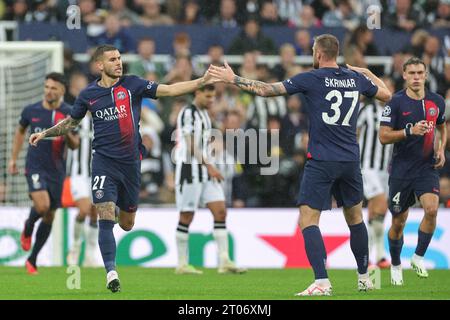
x=80 y=185
x=374 y=162
x=198 y=181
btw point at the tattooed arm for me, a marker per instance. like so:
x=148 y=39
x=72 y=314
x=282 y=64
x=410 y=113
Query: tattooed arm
x=259 y=88
x=59 y=129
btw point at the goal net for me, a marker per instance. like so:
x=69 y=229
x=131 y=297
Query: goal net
x=23 y=66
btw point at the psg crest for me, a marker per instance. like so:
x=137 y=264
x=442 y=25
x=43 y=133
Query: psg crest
x=99 y=194
x=432 y=112
x=121 y=95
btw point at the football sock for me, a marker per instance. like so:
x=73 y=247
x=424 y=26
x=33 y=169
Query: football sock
x=395 y=248
x=182 y=238
x=422 y=242
x=221 y=237
x=315 y=250
x=42 y=234
x=360 y=246
x=107 y=244
x=29 y=223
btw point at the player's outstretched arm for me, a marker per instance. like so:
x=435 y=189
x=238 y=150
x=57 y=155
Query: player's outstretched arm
x=180 y=88
x=259 y=88
x=383 y=93
x=59 y=129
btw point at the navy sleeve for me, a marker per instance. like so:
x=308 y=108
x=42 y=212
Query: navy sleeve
x=79 y=109
x=298 y=83
x=24 y=119
x=145 y=88
x=367 y=87
x=441 y=106
x=390 y=114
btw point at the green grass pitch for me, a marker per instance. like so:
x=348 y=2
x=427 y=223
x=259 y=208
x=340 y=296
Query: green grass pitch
x=257 y=284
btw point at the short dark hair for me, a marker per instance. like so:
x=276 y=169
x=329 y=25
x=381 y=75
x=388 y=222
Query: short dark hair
x=413 y=60
x=207 y=87
x=329 y=45
x=58 y=77
x=98 y=53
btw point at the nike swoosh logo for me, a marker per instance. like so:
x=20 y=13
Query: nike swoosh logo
x=406 y=113
x=91 y=102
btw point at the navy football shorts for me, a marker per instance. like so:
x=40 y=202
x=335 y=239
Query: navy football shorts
x=323 y=179
x=53 y=184
x=114 y=181
x=403 y=192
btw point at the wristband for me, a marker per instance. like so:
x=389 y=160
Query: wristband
x=408 y=131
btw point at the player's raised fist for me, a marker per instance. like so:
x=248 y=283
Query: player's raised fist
x=35 y=138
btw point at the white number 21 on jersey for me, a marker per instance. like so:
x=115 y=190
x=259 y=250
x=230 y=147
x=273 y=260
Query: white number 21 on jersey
x=335 y=106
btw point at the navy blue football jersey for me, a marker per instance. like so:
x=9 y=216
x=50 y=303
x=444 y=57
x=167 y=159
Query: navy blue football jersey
x=48 y=155
x=416 y=153
x=332 y=96
x=115 y=114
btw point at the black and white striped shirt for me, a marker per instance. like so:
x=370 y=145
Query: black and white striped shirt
x=374 y=155
x=193 y=122
x=79 y=160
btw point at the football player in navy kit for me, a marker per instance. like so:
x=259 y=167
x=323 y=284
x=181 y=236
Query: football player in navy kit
x=333 y=167
x=114 y=101
x=410 y=121
x=45 y=165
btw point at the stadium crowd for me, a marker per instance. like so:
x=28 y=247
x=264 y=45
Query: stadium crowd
x=107 y=22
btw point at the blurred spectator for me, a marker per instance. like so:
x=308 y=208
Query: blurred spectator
x=302 y=43
x=152 y=15
x=321 y=7
x=181 y=44
x=181 y=71
x=247 y=8
x=403 y=16
x=341 y=16
x=441 y=17
x=417 y=44
x=145 y=63
x=434 y=59
x=269 y=15
x=173 y=8
x=17 y=11
x=93 y=71
x=288 y=10
x=215 y=55
x=70 y=65
x=248 y=68
x=287 y=56
x=41 y=11
x=114 y=35
x=361 y=42
x=227 y=14
x=191 y=14
x=293 y=125
x=305 y=18
x=91 y=17
x=354 y=56
x=252 y=39
x=125 y=15
x=77 y=82
x=444 y=85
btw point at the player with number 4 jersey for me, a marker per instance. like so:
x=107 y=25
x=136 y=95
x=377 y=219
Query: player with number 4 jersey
x=410 y=121
x=332 y=96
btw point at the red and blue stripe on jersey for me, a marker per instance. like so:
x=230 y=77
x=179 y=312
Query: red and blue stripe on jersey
x=48 y=155
x=115 y=115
